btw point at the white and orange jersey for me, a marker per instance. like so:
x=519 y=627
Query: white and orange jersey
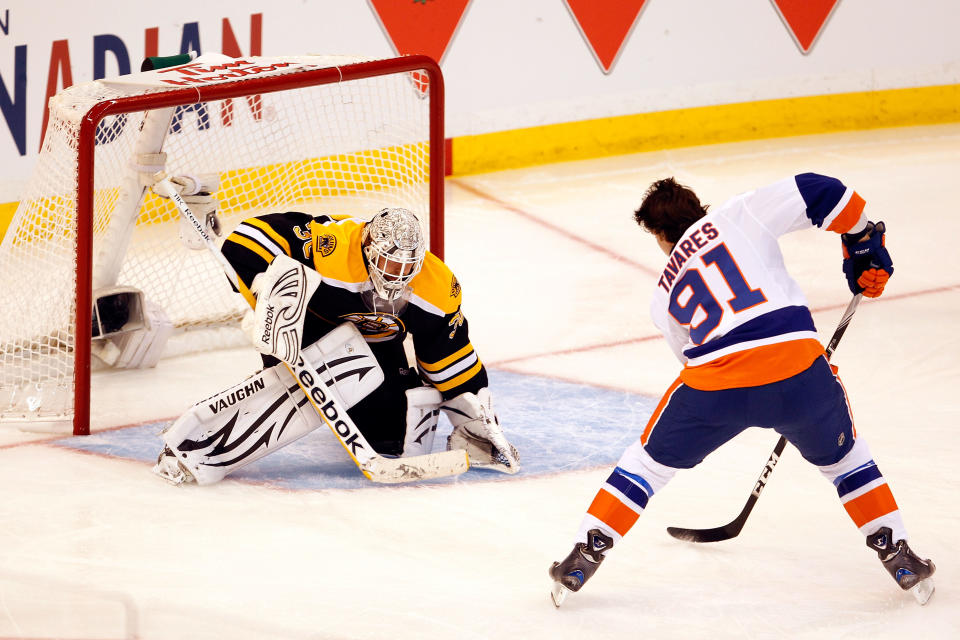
x=725 y=302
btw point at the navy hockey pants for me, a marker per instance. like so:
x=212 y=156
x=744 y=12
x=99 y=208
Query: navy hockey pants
x=810 y=409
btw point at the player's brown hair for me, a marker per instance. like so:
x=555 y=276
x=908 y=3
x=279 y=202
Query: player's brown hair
x=668 y=209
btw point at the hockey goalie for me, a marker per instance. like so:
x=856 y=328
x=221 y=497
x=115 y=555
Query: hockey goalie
x=343 y=294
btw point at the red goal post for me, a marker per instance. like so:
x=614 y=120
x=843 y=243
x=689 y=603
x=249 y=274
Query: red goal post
x=353 y=162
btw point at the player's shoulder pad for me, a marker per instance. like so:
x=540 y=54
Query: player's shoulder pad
x=436 y=286
x=336 y=248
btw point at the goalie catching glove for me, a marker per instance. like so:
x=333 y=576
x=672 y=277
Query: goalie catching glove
x=477 y=429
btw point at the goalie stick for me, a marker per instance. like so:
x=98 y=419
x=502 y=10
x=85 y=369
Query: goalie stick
x=732 y=529
x=374 y=466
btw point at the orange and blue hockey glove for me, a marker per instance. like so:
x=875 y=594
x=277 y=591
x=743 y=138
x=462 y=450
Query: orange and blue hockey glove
x=866 y=262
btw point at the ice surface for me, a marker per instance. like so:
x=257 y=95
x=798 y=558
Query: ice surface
x=557 y=281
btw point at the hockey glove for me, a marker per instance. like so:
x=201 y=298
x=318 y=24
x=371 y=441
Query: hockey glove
x=866 y=262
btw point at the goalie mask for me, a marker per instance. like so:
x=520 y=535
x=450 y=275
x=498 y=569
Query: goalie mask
x=393 y=247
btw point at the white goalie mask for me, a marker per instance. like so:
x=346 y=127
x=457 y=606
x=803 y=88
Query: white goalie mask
x=393 y=246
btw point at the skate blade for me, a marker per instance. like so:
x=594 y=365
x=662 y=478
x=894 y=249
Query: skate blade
x=558 y=593
x=923 y=590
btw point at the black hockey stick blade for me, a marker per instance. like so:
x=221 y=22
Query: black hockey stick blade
x=717 y=534
x=733 y=528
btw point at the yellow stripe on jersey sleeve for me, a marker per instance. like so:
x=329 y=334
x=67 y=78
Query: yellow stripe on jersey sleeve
x=256 y=247
x=433 y=367
x=247 y=295
x=267 y=229
x=460 y=379
x=260 y=251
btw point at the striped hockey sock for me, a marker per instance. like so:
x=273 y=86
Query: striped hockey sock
x=625 y=493
x=865 y=493
x=619 y=503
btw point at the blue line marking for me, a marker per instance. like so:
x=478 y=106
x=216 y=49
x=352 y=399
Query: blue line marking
x=557 y=426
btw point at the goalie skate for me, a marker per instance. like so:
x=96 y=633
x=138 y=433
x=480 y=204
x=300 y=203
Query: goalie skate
x=170 y=469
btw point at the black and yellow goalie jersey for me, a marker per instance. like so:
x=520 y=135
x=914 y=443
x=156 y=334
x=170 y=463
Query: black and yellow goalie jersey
x=331 y=245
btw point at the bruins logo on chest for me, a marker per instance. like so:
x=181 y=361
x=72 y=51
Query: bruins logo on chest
x=376 y=327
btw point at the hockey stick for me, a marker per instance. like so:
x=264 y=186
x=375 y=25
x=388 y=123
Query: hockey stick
x=374 y=466
x=732 y=529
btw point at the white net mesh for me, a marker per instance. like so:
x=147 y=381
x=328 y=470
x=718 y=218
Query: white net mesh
x=346 y=147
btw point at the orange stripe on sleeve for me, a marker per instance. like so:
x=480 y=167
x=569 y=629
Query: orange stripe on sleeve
x=849 y=216
x=871 y=505
x=611 y=511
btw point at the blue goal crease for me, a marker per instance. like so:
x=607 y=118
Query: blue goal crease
x=555 y=425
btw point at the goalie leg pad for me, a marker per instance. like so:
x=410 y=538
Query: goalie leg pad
x=238 y=426
x=423 y=413
x=477 y=430
x=268 y=410
x=481 y=452
x=344 y=359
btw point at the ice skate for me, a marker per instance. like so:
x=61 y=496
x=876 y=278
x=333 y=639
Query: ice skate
x=910 y=572
x=576 y=568
x=170 y=469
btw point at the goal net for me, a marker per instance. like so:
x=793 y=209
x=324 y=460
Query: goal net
x=319 y=134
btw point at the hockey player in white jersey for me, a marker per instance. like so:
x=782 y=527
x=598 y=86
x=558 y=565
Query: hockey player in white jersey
x=742 y=330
